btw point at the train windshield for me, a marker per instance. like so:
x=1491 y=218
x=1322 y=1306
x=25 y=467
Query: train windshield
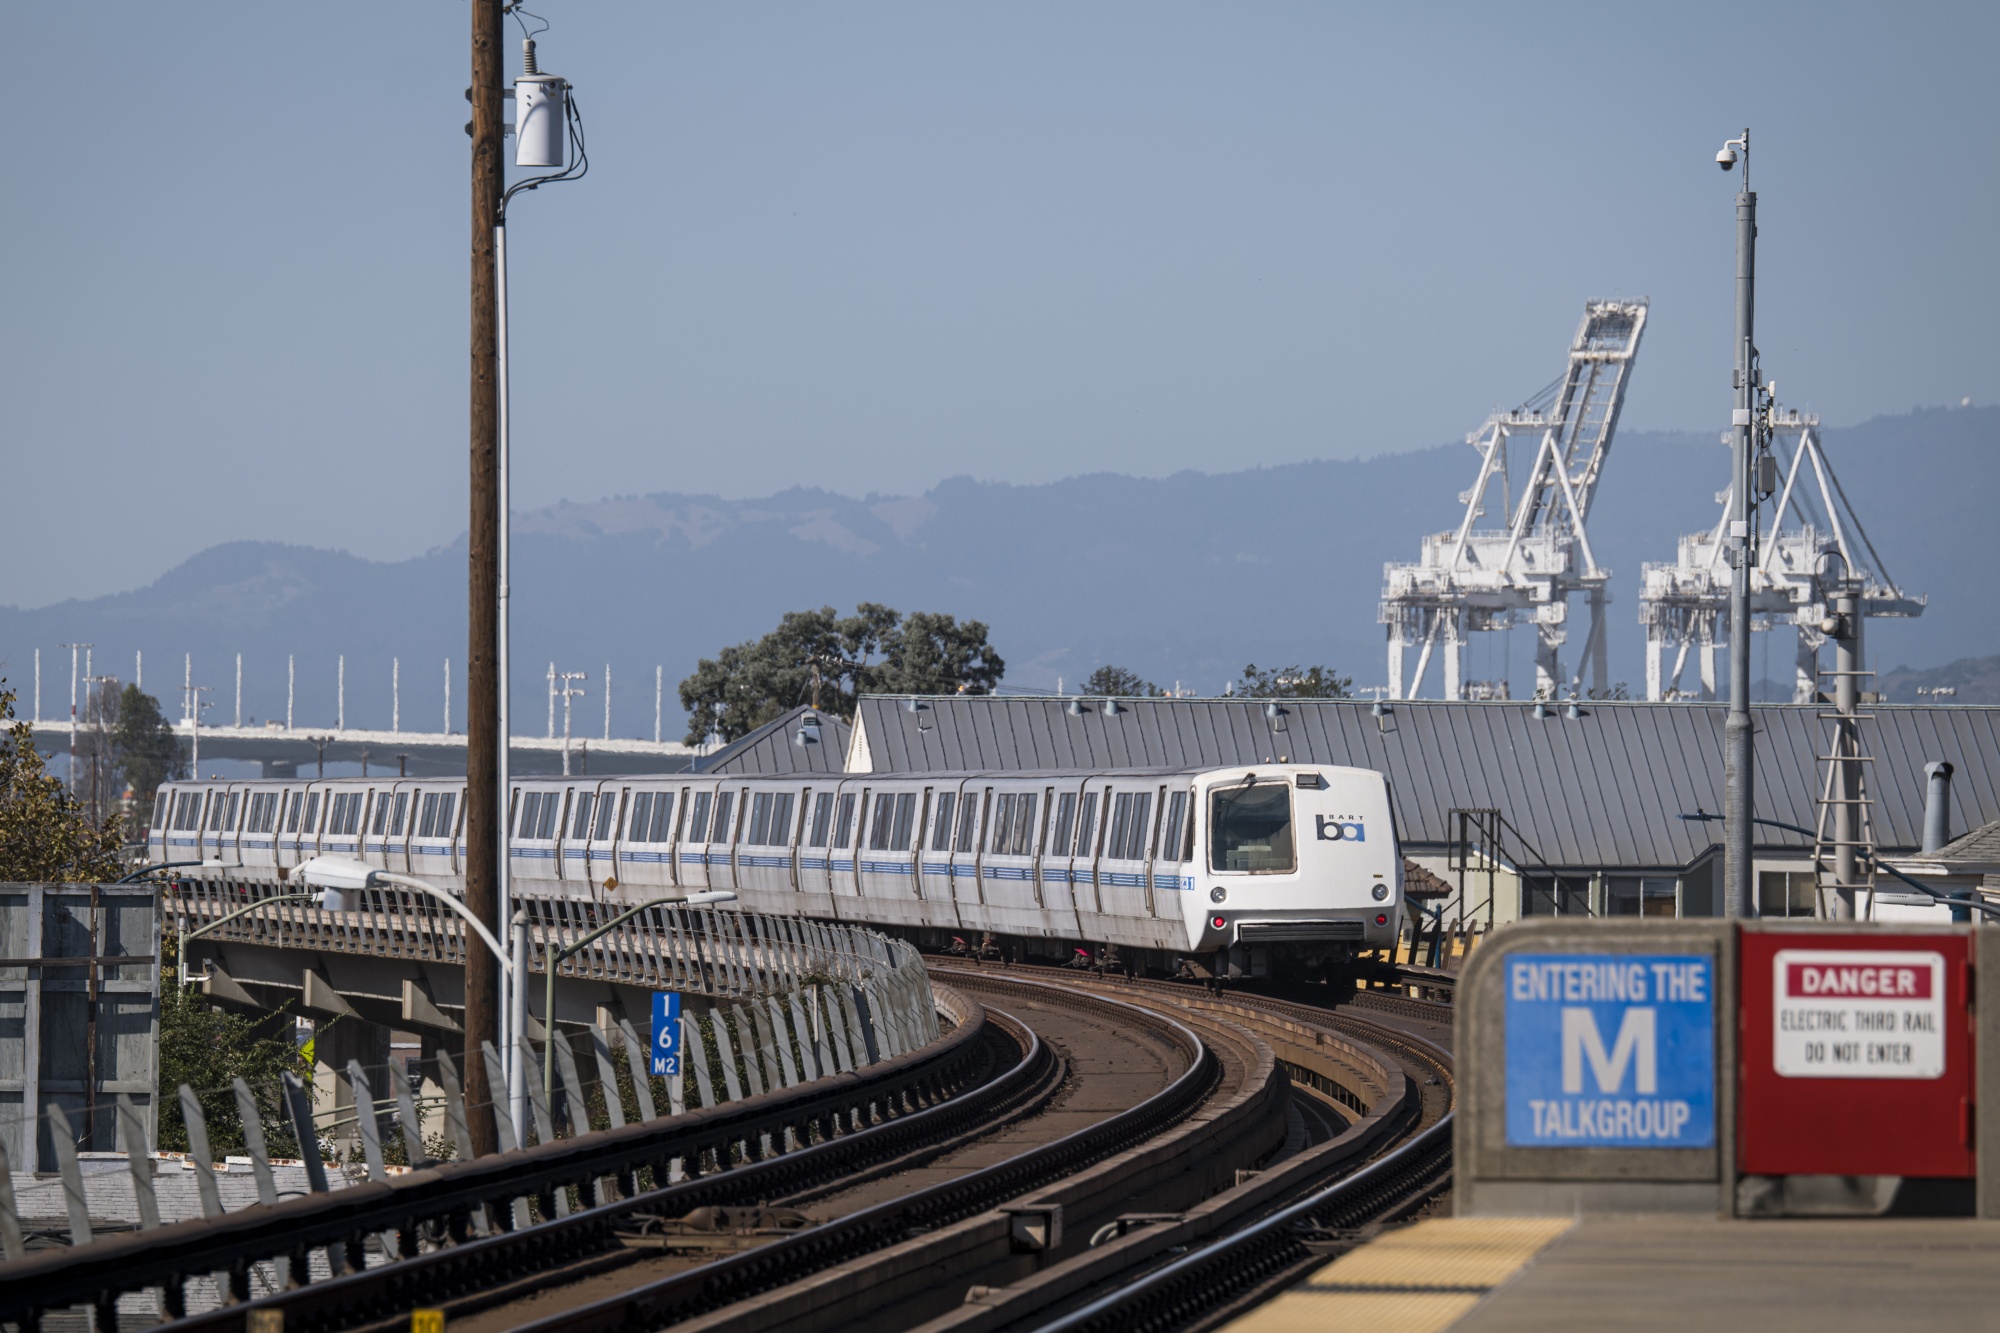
x=1251 y=828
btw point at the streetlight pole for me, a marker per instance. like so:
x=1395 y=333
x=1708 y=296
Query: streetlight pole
x=1739 y=756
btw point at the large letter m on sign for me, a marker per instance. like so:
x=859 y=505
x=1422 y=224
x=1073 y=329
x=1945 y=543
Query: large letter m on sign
x=1582 y=1040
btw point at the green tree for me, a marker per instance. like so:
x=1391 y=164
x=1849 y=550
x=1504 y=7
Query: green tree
x=1294 y=682
x=204 y=1047
x=45 y=834
x=147 y=753
x=1116 y=680
x=836 y=659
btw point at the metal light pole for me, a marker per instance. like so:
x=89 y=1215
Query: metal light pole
x=1739 y=759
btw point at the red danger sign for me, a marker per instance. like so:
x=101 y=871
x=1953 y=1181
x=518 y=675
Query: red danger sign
x=1858 y=980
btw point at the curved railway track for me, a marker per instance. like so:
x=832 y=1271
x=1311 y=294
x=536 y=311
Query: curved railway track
x=1085 y=1152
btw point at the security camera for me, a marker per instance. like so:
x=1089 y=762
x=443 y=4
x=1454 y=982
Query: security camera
x=1726 y=158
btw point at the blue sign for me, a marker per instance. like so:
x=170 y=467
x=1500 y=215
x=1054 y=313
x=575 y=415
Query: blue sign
x=666 y=1034
x=1610 y=1050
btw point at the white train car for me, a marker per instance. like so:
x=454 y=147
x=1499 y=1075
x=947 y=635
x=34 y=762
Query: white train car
x=1237 y=868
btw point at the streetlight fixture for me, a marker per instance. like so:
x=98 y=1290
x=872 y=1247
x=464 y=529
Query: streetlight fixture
x=556 y=956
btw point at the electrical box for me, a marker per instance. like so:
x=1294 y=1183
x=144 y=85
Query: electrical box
x=1856 y=1054
x=541 y=114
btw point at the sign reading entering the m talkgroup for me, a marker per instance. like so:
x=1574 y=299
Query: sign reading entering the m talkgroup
x=1611 y=1050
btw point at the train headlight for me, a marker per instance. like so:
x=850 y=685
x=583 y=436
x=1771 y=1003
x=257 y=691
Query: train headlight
x=1217 y=894
x=1381 y=892
x=1218 y=921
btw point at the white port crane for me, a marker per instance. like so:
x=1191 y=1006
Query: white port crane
x=1816 y=545
x=1481 y=579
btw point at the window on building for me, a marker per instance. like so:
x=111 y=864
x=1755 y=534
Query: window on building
x=1785 y=893
x=1557 y=895
x=1640 y=895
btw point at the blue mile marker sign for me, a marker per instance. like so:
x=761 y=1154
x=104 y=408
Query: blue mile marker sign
x=666 y=1034
x=1610 y=1050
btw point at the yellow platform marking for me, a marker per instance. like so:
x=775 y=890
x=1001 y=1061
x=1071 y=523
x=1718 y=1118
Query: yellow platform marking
x=1413 y=1280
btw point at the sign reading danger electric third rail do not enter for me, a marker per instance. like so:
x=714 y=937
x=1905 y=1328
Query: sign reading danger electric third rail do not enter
x=1851 y=1013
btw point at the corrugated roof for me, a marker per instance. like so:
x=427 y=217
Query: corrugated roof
x=776 y=747
x=1601 y=789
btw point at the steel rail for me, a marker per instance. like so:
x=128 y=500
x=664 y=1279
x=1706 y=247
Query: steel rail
x=785 y=1261
x=911 y=1092
x=1216 y=1274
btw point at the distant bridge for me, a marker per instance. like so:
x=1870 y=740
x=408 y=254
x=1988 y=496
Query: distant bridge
x=286 y=751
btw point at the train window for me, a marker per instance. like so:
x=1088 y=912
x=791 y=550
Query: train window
x=698 y=816
x=781 y=819
x=1250 y=829
x=822 y=820
x=311 y=824
x=435 y=820
x=263 y=808
x=894 y=813
x=607 y=816
x=843 y=831
x=1128 y=826
x=402 y=813
x=294 y=802
x=1003 y=815
x=947 y=801
x=1086 y=824
x=639 y=817
x=345 y=817
x=160 y=811
x=580 y=826
x=662 y=829
x=759 y=832
x=721 y=832
x=968 y=826
x=1062 y=823
x=380 y=824
x=229 y=815
x=1171 y=825
x=215 y=814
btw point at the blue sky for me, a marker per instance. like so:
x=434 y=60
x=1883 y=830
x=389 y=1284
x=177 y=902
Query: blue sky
x=869 y=246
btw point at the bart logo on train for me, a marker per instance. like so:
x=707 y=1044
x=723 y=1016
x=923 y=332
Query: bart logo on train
x=1340 y=830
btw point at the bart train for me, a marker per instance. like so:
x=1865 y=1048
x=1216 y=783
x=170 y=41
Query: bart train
x=1237 y=870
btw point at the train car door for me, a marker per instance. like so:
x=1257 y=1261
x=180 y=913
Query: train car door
x=850 y=825
x=226 y=814
x=532 y=849
x=433 y=819
x=388 y=815
x=816 y=851
x=725 y=825
x=258 y=843
x=886 y=860
x=300 y=815
x=1172 y=873
x=691 y=849
x=1124 y=864
x=967 y=891
x=600 y=834
x=764 y=869
x=1057 y=866
x=1008 y=882
x=939 y=904
x=643 y=854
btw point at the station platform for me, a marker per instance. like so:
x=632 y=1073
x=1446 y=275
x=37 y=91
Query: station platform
x=1669 y=1272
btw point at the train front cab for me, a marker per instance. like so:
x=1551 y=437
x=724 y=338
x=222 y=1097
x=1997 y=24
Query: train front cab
x=1296 y=865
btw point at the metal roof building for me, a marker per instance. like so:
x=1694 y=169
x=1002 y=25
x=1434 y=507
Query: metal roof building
x=1596 y=792
x=803 y=740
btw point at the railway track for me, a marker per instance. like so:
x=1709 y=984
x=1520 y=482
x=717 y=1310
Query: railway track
x=1074 y=1136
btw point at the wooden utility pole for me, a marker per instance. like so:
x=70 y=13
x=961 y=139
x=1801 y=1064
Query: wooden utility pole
x=482 y=706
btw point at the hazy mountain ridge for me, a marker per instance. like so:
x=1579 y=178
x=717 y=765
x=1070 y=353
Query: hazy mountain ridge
x=1184 y=577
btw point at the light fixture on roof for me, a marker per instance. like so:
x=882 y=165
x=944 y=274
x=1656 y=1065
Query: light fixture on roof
x=1541 y=710
x=1380 y=709
x=1074 y=708
x=1572 y=711
x=913 y=706
x=1111 y=708
x=1272 y=711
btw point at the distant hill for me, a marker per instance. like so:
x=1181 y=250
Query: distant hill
x=1182 y=579
x=1970 y=680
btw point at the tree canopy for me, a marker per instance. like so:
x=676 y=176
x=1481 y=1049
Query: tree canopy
x=1116 y=680
x=146 y=750
x=1294 y=682
x=45 y=834
x=877 y=650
